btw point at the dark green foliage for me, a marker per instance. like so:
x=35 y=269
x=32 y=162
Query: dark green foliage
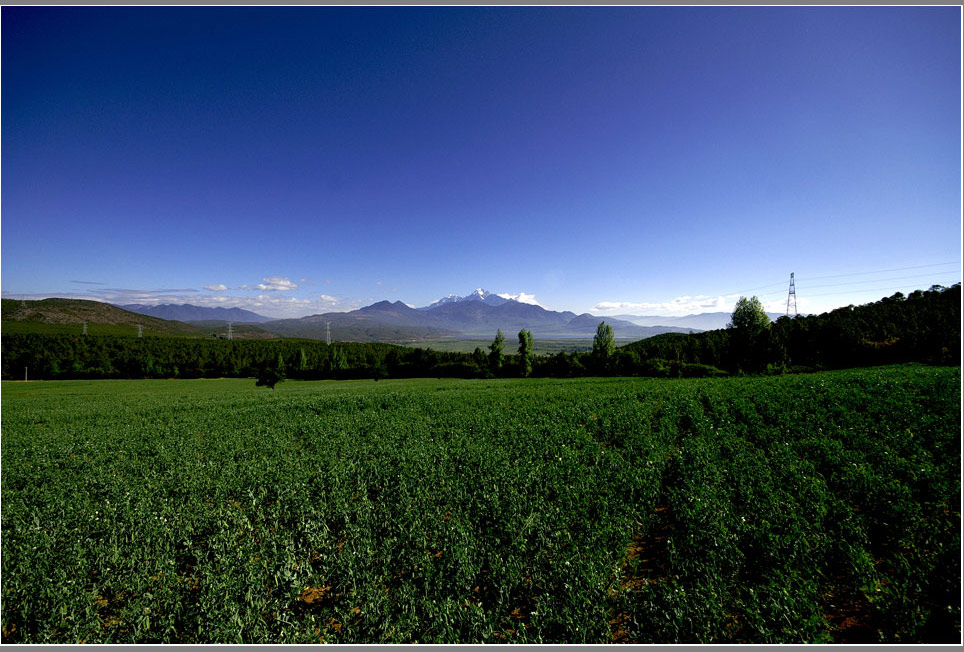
x=749 y=316
x=478 y=357
x=694 y=370
x=525 y=352
x=604 y=343
x=379 y=371
x=269 y=377
x=64 y=356
x=602 y=361
x=496 y=352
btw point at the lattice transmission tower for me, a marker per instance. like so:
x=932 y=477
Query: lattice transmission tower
x=792 y=297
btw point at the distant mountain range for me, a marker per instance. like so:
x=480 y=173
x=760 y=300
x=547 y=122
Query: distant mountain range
x=707 y=321
x=188 y=313
x=480 y=313
x=477 y=314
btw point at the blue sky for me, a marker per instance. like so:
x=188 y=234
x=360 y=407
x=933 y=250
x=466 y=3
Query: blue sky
x=615 y=160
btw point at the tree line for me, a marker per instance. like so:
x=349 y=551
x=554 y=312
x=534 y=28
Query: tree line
x=923 y=326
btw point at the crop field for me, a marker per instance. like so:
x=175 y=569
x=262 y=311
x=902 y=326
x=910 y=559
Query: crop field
x=809 y=508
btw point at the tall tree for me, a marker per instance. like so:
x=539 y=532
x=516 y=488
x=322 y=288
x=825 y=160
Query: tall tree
x=604 y=343
x=603 y=349
x=478 y=356
x=525 y=352
x=749 y=316
x=496 y=351
x=748 y=342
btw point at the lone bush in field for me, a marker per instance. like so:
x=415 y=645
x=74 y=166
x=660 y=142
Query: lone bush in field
x=269 y=377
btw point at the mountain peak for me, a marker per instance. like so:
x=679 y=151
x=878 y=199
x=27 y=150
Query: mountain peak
x=479 y=294
x=385 y=305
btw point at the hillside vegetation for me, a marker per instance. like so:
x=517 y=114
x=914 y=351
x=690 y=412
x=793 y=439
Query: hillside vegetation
x=67 y=316
x=922 y=326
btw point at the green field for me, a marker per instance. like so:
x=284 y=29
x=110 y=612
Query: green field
x=811 y=508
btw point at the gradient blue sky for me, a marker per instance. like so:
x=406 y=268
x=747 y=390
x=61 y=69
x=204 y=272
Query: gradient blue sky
x=615 y=160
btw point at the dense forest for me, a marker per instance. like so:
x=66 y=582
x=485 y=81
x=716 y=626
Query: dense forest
x=923 y=326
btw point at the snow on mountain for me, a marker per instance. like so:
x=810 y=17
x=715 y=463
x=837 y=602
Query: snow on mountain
x=479 y=294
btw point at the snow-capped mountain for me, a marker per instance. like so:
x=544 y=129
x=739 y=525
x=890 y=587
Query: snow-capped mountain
x=484 y=296
x=472 y=316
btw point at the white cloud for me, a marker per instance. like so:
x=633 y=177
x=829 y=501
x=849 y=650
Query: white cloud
x=216 y=288
x=522 y=297
x=272 y=283
x=685 y=305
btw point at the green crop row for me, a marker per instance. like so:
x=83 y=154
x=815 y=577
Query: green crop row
x=810 y=508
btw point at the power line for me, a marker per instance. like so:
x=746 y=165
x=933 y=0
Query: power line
x=762 y=287
x=881 y=271
x=806 y=279
x=881 y=289
x=877 y=280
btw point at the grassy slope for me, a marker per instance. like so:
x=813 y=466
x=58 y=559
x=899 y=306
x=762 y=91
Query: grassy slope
x=66 y=316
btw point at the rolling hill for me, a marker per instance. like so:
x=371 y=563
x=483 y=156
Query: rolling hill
x=190 y=313
x=67 y=316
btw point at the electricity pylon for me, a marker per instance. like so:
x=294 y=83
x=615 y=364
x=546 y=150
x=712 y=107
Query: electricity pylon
x=792 y=297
